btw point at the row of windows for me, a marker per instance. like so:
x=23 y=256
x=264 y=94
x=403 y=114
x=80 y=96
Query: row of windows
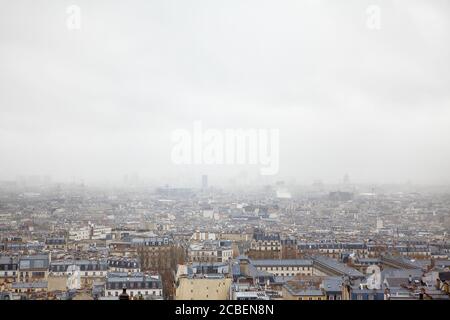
x=290 y=274
x=125 y=269
x=93 y=274
x=132 y=285
x=27 y=290
x=34 y=274
x=116 y=293
x=268 y=248
x=272 y=243
x=206 y=258
x=203 y=253
x=284 y=268
x=360 y=297
x=207 y=252
x=8 y=267
x=90 y=267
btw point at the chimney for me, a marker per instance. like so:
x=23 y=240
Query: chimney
x=346 y=288
x=243 y=265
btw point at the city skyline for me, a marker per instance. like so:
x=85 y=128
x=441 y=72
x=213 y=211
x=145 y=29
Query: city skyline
x=224 y=158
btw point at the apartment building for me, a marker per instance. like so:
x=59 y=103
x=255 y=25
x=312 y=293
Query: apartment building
x=265 y=246
x=136 y=285
x=210 y=251
x=291 y=267
x=203 y=287
x=56 y=243
x=100 y=232
x=122 y=264
x=80 y=234
x=8 y=269
x=89 y=270
x=33 y=268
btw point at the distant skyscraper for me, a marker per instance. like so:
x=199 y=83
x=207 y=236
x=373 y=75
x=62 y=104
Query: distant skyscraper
x=204 y=181
x=379 y=224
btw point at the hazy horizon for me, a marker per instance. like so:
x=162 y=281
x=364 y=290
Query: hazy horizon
x=101 y=102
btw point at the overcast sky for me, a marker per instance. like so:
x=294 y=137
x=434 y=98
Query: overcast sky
x=101 y=102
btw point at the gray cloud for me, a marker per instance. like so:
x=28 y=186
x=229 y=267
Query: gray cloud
x=101 y=102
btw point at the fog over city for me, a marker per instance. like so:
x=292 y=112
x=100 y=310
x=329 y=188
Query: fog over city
x=100 y=102
x=269 y=155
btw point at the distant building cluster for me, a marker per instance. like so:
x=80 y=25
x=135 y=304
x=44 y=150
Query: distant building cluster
x=71 y=242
